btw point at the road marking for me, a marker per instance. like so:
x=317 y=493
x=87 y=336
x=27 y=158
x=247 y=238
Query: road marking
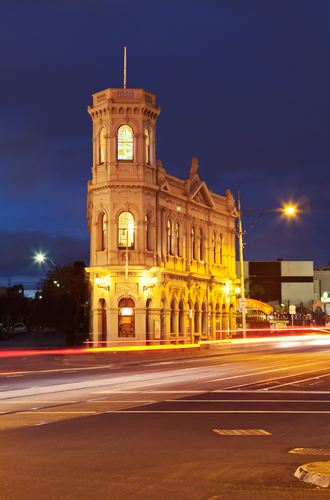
x=248 y=401
x=307 y=412
x=299 y=381
x=12 y=376
x=311 y=451
x=241 y=432
x=260 y=391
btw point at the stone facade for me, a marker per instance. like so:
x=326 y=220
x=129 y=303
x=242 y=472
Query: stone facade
x=162 y=249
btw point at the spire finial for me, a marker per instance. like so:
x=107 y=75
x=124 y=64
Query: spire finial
x=124 y=67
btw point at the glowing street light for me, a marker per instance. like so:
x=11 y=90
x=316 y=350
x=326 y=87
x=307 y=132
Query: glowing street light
x=289 y=210
x=41 y=258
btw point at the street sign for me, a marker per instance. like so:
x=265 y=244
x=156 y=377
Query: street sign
x=242 y=302
x=292 y=309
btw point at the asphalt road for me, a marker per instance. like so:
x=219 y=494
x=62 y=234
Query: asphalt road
x=196 y=427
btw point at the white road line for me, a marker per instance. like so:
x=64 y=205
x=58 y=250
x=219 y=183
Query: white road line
x=299 y=381
x=222 y=411
x=248 y=401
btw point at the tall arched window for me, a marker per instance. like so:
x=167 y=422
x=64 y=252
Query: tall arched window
x=221 y=249
x=214 y=248
x=178 y=234
x=103 y=231
x=169 y=237
x=193 y=243
x=102 y=145
x=148 y=232
x=126 y=231
x=125 y=143
x=126 y=318
x=147 y=146
x=201 y=256
x=101 y=238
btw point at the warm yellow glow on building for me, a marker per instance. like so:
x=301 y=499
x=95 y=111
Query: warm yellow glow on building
x=162 y=254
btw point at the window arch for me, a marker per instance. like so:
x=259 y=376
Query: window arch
x=126 y=318
x=125 y=143
x=147 y=146
x=148 y=231
x=178 y=234
x=101 y=232
x=201 y=256
x=126 y=231
x=169 y=237
x=221 y=247
x=214 y=248
x=193 y=243
x=102 y=145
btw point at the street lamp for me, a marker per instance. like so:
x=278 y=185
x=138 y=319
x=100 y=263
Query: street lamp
x=41 y=258
x=290 y=210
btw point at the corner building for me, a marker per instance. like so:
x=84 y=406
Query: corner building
x=162 y=249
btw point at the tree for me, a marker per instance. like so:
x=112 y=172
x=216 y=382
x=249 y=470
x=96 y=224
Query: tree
x=62 y=298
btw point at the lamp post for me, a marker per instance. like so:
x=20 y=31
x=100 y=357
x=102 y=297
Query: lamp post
x=289 y=211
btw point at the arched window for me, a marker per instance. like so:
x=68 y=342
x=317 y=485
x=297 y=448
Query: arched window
x=178 y=234
x=126 y=316
x=125 y=143
x=103 y=231
x=169 y=237
x=102 y=145
x=172 y=317
x=201 y=256
x=147 y=146
x=193 y=243
x=126 y=231
x=214 y=248
x=204 y=319
x=148 y=232
x=221 y=249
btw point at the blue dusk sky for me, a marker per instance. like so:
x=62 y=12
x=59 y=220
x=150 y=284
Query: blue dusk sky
x=244 y=85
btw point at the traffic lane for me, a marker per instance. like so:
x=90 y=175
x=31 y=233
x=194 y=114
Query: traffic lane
x=21 y=379
x=148 y=456
x=34 y=360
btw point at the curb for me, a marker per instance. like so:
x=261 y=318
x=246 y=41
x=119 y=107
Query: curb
x=317 y=473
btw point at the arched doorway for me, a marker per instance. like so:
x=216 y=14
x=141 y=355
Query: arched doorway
x=148 y=322
x=126 y=318
x=102 y=323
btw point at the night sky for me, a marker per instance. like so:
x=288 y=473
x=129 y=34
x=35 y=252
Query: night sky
x=244 y=85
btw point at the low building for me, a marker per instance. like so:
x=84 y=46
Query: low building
x=282 y=282
x=162 y=249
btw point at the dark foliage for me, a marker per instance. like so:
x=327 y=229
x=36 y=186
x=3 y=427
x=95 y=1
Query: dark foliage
x=62 y=300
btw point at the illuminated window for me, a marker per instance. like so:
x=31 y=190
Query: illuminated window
x=102 y=145
x=125 y=143
x=126 y=319
x=126 y=231
x=147 y=146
